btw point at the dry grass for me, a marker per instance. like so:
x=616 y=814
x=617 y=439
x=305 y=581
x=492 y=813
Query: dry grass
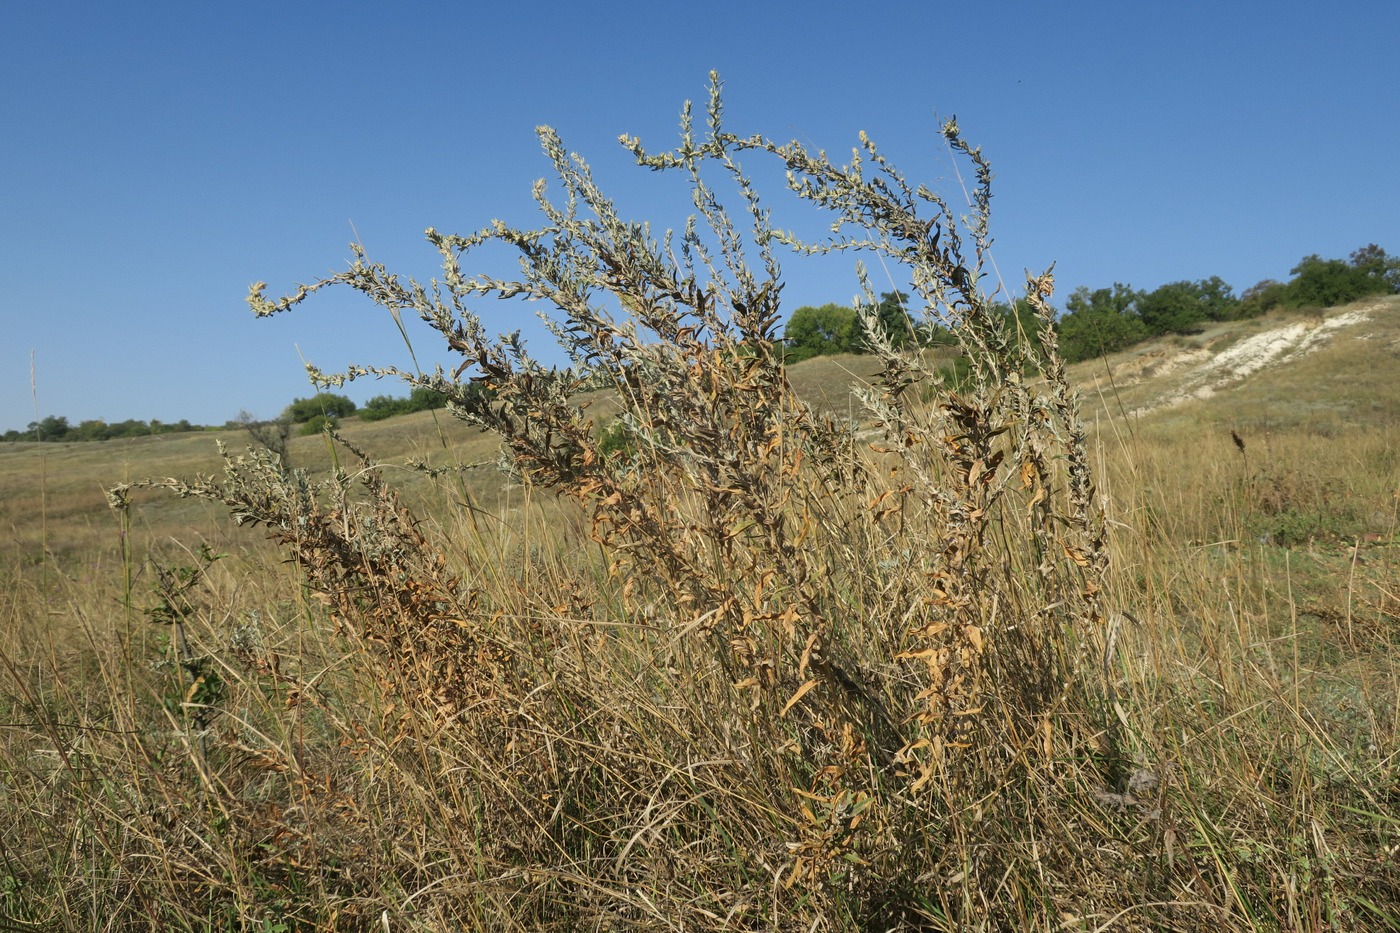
x=1257 y=682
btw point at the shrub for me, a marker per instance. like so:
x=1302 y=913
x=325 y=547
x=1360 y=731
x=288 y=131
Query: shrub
x=380 y=407
x=1261 y=298
x=1382 y=269
x=618 y=439
x=51 y=428
x=1020 y=316
x=322 y=403
x=387 y=406
x=893 y=319
x=1182 y=307
x=821 y=331
x=808 y=675
x=269 y=435
x=318 y=424
x=1101 y=321
x=1325 y=283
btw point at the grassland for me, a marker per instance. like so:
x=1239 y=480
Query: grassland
x=207 y=744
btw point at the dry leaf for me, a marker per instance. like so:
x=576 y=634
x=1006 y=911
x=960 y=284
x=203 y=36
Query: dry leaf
x=802 y=691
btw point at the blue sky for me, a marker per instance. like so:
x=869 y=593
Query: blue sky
x=157 y=158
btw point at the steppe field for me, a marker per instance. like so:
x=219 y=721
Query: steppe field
x=1148 y=682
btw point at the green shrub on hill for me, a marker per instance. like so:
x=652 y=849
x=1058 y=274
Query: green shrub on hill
x=1183 y=307
x=1326 y=283
x=1378 y=267
x=1101 y=321
x=317 y=424
x=894 y=317
x=821 y=331
x=1261 y=298
x=387 y=406
x=322 y=403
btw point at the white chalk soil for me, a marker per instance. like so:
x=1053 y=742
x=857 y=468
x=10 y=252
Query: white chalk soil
x=1198 y=372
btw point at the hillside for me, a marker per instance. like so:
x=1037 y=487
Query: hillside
x=1321 y=372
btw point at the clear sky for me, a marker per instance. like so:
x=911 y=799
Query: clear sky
x=158 y=157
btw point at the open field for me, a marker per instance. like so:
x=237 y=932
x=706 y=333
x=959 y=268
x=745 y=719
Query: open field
x=536 y=736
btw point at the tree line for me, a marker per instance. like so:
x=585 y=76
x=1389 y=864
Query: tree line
x=1105 y=320
x=303 y=415
x=57 y=428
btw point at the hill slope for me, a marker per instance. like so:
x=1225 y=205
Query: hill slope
x=1320 y=372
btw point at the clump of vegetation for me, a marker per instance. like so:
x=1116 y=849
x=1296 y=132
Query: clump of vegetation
x=872 y=657
x=821 y=331
x=739 y=669
x=1326 y=283
x=322 y=404
x=318 y=424
x=387 y=406
x=832 y=328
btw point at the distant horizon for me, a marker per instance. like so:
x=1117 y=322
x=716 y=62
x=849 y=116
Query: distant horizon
x=160 y=158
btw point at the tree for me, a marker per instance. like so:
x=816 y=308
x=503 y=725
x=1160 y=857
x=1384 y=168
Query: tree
x=269 y=434
x=1181 y=307
x=129 y=428
x=1373 y=261
x=1325 y=283
x=381 y=407
x=387 y=406
x=318 y=424
x=821 y=331
x=91 y=430
x=424 y=399
x=1261 y=298
x=322 y=403
x=52 y=428
x=1101 y=321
